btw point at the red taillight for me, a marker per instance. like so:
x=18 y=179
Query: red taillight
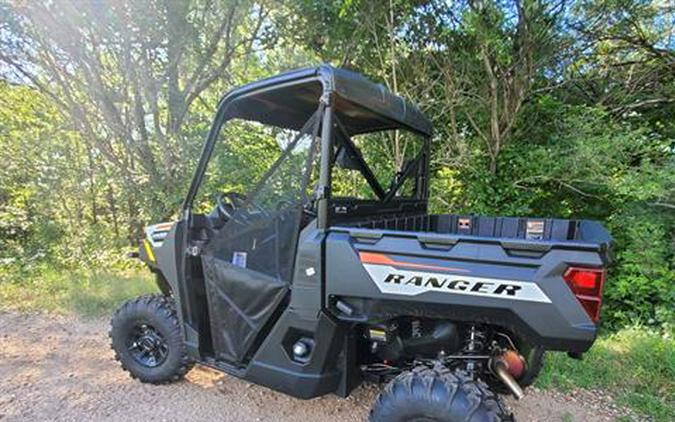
x=586 y=284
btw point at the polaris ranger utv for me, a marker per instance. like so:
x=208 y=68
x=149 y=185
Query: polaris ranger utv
x=328 y=271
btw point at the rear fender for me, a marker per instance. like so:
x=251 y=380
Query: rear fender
x=547 y=314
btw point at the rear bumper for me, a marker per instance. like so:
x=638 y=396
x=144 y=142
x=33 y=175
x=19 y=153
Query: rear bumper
x=465 y=276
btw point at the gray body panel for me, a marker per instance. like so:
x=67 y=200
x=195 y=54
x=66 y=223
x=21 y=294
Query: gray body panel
x=559 y=323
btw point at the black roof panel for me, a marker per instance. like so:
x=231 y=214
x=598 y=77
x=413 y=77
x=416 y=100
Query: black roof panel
x=288 y=99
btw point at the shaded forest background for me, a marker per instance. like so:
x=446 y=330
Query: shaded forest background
x=540 y=108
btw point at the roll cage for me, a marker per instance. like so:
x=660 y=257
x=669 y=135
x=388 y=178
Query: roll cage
x=337 y=104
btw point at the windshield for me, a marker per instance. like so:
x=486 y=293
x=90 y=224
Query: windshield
x=244 y=152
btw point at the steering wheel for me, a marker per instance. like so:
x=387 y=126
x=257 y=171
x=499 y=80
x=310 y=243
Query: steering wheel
x=228 y=202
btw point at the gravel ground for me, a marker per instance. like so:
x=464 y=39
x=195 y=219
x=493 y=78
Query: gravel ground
x=61 y=368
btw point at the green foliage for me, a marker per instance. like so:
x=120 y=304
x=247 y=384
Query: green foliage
x=640 y=287
x=635 y=364
x=587 y=165
x=49 y=206
x=82 y=292
x=539 y=109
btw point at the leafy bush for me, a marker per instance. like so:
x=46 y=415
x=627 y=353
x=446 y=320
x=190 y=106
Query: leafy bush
x=82 y=292
x=640 y=286
x=589 y=165
x=635 y=364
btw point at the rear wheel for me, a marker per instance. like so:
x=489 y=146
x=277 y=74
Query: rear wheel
x=147 y=340
x=439 y=395
x=534 y=357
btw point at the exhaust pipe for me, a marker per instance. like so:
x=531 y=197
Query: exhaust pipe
x=505 y=367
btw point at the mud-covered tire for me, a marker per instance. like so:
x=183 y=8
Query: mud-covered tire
x=158 y=312
x=437 y=394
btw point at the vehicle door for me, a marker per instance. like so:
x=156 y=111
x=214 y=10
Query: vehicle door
x=248 y=262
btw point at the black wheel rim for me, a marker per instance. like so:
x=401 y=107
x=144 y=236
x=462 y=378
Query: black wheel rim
x=147 y=346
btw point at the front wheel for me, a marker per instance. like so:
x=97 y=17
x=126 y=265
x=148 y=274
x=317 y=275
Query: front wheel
x=437 y=395
x=147 y=340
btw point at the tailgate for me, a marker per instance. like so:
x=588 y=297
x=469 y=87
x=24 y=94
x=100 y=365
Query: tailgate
x=514 y=283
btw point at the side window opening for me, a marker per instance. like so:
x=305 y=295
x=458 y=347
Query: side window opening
x=244 y=153
x=387 y=154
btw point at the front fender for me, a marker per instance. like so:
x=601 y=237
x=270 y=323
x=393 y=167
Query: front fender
x=146 y=255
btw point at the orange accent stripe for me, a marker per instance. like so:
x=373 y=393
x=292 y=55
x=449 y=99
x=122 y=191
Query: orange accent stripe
x=375 y=258
x=382 y=259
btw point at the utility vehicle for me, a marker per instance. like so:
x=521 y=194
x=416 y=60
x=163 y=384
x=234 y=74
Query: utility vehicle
x=320 y=268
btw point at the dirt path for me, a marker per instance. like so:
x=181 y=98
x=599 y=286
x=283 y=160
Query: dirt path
x=61 y=368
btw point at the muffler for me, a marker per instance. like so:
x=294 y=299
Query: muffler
x=507 y=368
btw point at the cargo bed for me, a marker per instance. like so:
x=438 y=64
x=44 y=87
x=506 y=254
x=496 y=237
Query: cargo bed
x=570 y=233
x=527 y=252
